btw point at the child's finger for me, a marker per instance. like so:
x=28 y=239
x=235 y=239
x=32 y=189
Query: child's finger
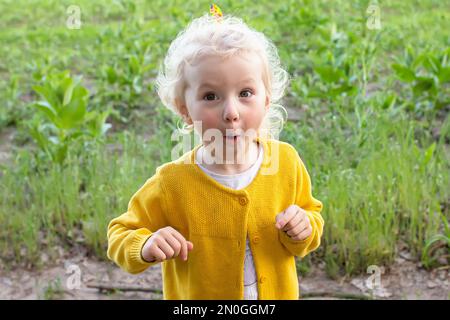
x=190 y=245
x=165 y=248
x=183 y=242
x=297 y=229
x=175 y=244
x=279 y=220
x=158 y=255
x=283 y=218
x=294 y=222
x=304 y=234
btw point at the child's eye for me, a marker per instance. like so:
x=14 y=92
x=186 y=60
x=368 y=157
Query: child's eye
x=246 y=93
x=209 y=97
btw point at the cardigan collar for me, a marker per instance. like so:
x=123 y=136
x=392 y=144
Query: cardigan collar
x=267 y=145
x=266 y=163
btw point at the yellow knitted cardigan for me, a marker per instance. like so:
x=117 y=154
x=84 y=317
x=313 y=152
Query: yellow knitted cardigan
x=218 y=220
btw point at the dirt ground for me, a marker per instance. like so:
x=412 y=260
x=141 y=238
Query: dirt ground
x=73 y=277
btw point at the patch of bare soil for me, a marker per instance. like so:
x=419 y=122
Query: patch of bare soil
x=73 y=277
x=404 y=280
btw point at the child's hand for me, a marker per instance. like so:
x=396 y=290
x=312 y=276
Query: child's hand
x=294 y=222
x=164 y=244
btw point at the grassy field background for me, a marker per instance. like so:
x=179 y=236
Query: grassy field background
x=89 y=128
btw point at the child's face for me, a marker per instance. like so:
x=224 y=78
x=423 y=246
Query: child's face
x=226 y=93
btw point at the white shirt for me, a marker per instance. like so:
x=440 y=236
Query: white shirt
x=237 y=182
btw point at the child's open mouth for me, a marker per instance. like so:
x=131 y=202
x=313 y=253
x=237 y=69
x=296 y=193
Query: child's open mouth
x=231 y=138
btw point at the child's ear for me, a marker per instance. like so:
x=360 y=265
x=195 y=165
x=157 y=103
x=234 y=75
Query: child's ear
x=267 y=104
x=183 y=111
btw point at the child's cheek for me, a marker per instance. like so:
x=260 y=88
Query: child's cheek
x=210 y=120
x=254 y=117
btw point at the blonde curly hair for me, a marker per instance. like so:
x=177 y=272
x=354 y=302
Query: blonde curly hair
x=207 y=36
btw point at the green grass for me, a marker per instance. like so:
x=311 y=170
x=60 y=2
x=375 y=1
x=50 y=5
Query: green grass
x=43 y=206
x=379 y=161
x=377 y=193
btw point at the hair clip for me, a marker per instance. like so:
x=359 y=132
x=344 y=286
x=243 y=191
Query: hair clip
x=216 y=12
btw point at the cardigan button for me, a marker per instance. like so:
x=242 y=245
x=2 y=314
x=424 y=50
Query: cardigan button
x=243 y=201
x=256 y=239
x=262 y=279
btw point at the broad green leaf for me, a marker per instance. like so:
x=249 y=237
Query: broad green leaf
x=111 y=75
x=404 y=73
x=329 y=74
x=48 y=94
x=90 y=115
x=134 y=65
x=77 y=134
x=444 y=75
x=389 y=101
x=345 y=88
x=73 y=113
x=69 y=90
x=422 y=85
x=97 y=125
x=432 y=64
x=67 y=86
x=315 y=93
x=418 y=61
x=47 y=109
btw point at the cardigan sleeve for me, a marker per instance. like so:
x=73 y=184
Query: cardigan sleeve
x=128 y=233
x=312 y=206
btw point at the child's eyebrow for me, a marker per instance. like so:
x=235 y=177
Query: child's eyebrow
x=209 y=85
x=212 y=85
x=248 y=80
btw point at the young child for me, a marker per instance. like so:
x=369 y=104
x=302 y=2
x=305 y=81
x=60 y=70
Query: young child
x=227 y=218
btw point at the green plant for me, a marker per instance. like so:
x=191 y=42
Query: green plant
x=122 y=83
x=303 y=265
x=377 y=182
x=44 y=207
x=53 y=290
x=337 y=67
x=66 y=116
x=434 y=244
x=10 y=113
x=426 y=75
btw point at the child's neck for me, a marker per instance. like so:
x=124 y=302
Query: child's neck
x=250 y=156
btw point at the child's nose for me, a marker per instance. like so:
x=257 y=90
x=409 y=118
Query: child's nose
x=231 y=111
